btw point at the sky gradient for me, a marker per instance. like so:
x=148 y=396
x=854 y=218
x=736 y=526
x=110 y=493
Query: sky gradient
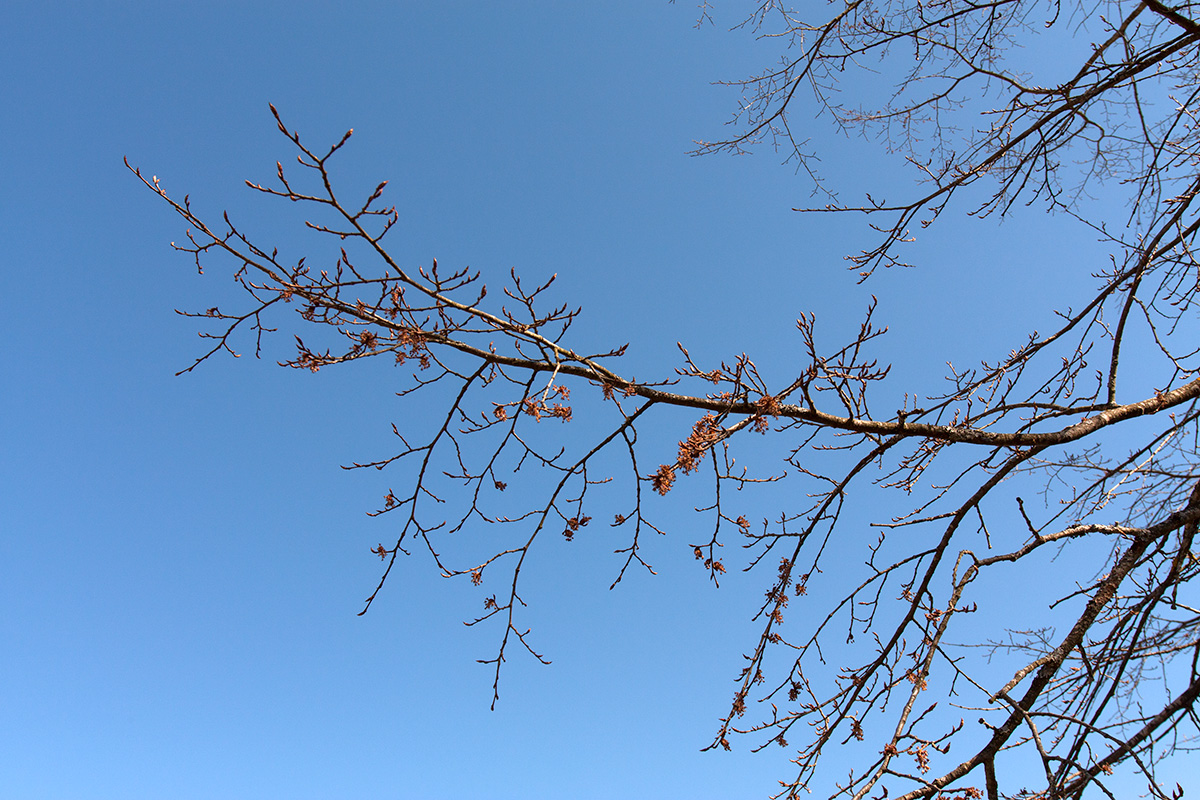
x=184 y=558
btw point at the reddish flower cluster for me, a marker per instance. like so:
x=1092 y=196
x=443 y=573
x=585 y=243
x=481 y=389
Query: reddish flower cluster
x=922 y=756
x=413 y=342
x=705 y=433
x=663 y=479
x=574 y=524
x=713 y=564
x=967 y=793
x=538 y=409
x=766 y=406
x=629 y=390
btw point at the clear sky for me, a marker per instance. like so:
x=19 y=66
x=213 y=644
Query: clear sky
x=182 y=557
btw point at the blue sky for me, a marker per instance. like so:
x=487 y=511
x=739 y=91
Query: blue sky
x=183 y=557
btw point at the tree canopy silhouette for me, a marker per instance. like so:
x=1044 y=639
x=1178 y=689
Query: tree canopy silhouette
x=895 y=666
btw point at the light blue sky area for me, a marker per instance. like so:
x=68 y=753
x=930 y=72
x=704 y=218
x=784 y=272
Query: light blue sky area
x=182 y=557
